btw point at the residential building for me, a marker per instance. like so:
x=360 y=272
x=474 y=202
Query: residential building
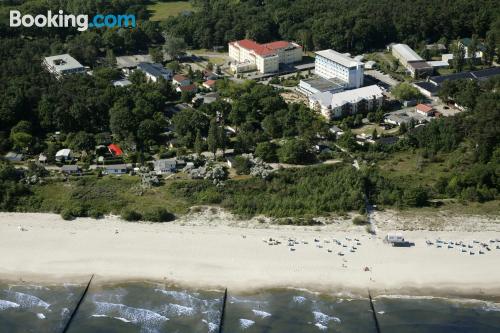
x=64 y=155
x=122 y=83
x=209 y=84
x=115 y=169
x=129 y=63
x=330 y=64
x=318 y=84
x=115 y=150
x=169 y=165
x=433 y=84
x=202 y=98
x=14 y=157
x=63 y=64
x=347 y=102
x=466 y=43
x=154 y=72
x=181 y=80
x=189 y=88
x=70 y=169
x=248 y=55
x=425 y=110
x=414 y=64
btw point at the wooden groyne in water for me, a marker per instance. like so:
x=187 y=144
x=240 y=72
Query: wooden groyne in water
x=223 y=311
x=75 y=310
x=377 y=326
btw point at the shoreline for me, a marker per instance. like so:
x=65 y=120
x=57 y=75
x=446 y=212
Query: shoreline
x=206 y=256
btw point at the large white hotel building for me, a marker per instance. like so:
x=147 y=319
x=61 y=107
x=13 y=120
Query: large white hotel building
x=332 y=64
x=248 y=55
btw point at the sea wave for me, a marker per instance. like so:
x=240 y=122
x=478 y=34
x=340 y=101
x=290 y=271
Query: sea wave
x=299 y=299
x=178 y=310
x=7 y=305
x=26 y=300
x=323 y=319
x=246 y=323
x=212 y=327
x=477 y=303
x=261 y=314
x=131 y=314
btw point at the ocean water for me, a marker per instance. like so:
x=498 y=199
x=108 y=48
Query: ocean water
x=150 y=307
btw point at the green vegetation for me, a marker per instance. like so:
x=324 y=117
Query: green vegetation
x=405 y=92
x=162 y=10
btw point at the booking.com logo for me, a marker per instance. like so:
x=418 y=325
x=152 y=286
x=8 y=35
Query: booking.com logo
x=61 y=20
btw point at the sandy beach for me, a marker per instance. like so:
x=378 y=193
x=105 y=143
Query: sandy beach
x=205 y=255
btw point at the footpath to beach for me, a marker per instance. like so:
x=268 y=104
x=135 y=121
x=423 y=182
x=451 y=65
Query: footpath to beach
x=238 y=258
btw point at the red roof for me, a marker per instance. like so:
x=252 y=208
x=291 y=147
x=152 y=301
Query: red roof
x=209 y=82
x=424 y=108
x=190 y=87
x=262 y=49
x=179 y=78
x=115 y=150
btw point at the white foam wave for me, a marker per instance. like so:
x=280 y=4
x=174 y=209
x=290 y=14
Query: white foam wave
x=321 y=327
x=261 y=314
x=481 y=304
x=299 y=299
x=178 y=310
x=26 y=300
x=246 y=323
x=40 y=316
x=233 y=299
x=7 y=304
x=323 y=319
x=131 y=314
x=212 y=327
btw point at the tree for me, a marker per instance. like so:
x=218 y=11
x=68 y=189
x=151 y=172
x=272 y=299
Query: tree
x=174 y=46
x=458 y=56
x=199 y=145
x=213 y=136
x=81 y=141
x=295 y=152
x=405 y=92
x=156 y=54
x=490 y=46
x=266 y=151
x=471 y=52
x=374 y=134
x=242 y=165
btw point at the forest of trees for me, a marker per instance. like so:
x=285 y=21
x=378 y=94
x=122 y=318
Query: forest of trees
x=350 y=26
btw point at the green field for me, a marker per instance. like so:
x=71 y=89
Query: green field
x=162 y=10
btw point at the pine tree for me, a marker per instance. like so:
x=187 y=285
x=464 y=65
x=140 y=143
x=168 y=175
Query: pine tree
x=213 y=137
x=198 y=143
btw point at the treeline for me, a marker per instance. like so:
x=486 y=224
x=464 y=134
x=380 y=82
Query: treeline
x=352 y=26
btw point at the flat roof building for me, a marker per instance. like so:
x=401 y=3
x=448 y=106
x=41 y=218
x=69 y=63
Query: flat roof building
x=414 y=64
x=330 y=64
x=347 y=102
x=63 y=64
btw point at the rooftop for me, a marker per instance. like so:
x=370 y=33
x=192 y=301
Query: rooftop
x=339 y=58
x=63 y=62
x=267 y=49
x=406 y=52
x=133 y=60
x=432 y=88
x=179 y=78
x=322 y=84
x=349 y=96
x=419 y=65
x=424 y=108
x=155 y=70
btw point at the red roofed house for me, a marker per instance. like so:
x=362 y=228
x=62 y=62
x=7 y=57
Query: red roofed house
x=209 y=84
x=249 y=55
x=180 y=80
x=115 y=150
x=188 y=88
x=425 y=110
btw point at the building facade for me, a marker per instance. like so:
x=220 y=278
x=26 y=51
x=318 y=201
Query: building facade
x=349 y=102
x=63 y=64
x=330 y=64
x=248 y=55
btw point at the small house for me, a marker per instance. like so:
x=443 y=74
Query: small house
x=64 y=155
x=115 y=169
x=209 y=84
x=115 y=150
x=14 y=157
x=163 y=166
x=180 y=80
x=70 y=169
x=42 y=158
x=191 y=88
x=425 y=110
x=394 y=238
x=209 y=75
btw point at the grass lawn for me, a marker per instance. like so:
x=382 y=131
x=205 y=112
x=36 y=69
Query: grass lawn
x=162 y=10
x=216 y=58
x=455 y=207
x=413 y=168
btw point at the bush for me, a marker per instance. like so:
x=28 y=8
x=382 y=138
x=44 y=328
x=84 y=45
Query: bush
x=158 y=215
x=360 y=220
x=130 y=215
x=242 y=165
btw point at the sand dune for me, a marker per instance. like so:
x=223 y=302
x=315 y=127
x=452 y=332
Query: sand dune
x=238 y=258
